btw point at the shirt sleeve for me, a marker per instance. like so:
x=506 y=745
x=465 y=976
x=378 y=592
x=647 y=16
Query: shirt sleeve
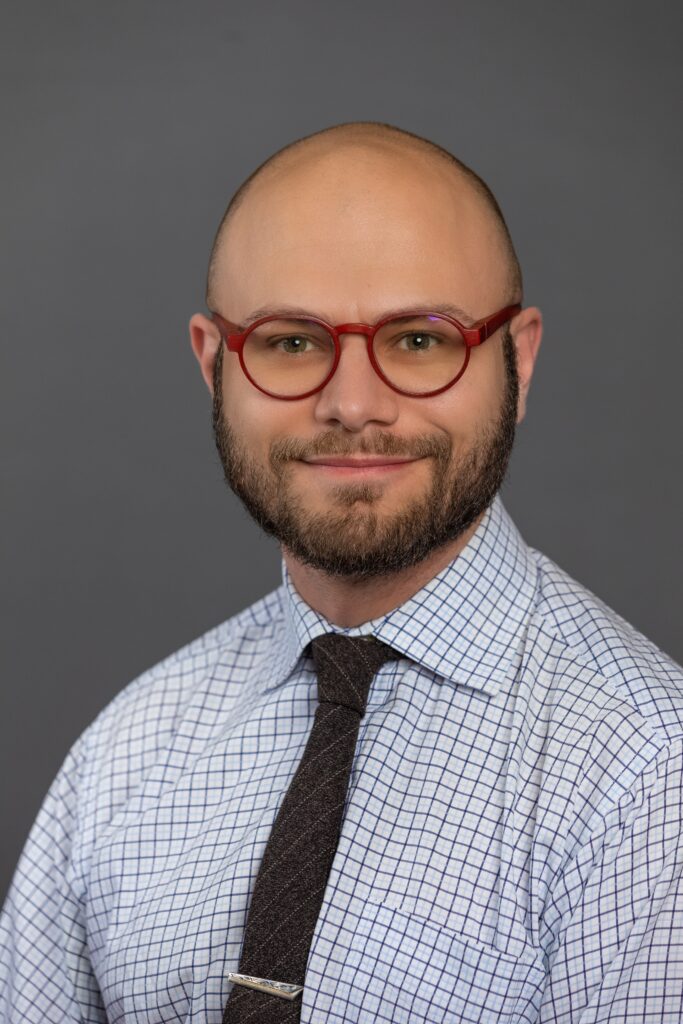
x=45 y=972
x=620 y=957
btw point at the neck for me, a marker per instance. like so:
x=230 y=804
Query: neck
x=349 y=603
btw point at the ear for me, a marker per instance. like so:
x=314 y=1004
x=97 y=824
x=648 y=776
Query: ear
x=205 y=339
x=526 y=330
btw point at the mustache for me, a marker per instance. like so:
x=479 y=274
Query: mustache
x=289 y=449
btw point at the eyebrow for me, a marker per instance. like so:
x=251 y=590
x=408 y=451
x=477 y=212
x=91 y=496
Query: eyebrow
x=447 y=309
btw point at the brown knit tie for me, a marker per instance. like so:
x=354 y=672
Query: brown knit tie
x=296 y=863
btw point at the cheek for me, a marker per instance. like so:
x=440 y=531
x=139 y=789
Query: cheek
x=477 y=395
x=244 y=406
x=466 y=408
x=258 y=419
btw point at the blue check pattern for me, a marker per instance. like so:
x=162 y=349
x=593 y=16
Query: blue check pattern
x=511 y=848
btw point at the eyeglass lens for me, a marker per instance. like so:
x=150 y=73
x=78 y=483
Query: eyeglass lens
x=290 y=357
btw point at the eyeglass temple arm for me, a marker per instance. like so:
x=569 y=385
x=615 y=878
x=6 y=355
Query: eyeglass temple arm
x=486 y=328
x=228 y=331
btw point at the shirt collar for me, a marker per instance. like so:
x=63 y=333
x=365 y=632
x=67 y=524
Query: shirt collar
x=465 y=624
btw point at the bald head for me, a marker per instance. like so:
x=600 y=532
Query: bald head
x=346 y=166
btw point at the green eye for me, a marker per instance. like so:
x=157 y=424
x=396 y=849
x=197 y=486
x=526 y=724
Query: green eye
x=292 y=345
x=418 y=342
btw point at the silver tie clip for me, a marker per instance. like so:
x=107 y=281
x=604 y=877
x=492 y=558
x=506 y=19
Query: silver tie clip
x=276 y=988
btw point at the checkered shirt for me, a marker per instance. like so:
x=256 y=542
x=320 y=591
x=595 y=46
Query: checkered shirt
x=511 y=848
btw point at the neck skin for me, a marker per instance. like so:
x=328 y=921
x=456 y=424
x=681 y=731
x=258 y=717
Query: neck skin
x=348 y=603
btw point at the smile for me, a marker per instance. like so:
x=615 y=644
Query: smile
x=358 y=467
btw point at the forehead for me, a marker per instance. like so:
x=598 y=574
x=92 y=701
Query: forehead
x=361 y=224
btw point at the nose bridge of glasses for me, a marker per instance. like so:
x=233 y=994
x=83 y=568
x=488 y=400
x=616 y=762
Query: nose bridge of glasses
x=363 y=329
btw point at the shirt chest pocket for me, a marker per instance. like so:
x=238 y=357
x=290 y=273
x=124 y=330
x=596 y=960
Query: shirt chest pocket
x=404 y=969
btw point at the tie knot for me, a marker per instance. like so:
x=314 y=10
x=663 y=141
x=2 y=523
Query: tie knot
x=345 y=666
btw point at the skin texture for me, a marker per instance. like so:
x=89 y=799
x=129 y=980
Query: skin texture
x=349 y=226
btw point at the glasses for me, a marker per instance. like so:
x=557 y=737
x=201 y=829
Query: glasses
x=419 y=353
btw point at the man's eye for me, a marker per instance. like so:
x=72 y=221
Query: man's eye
x=418 y=342
x=293 y=344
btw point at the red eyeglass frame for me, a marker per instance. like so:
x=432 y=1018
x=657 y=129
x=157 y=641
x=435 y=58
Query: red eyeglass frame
x=235 y=339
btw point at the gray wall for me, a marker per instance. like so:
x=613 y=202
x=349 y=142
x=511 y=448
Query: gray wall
x=126 y=126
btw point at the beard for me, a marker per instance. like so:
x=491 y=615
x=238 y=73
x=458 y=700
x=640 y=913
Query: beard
x=352 y=539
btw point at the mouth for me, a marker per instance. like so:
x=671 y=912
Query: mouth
x=366 y=466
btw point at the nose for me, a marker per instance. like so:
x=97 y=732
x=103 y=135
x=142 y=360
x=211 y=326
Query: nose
x=356 y=395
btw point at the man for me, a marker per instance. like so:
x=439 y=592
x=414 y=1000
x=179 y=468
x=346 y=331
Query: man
x=507 y=839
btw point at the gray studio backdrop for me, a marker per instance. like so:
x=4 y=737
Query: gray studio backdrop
x=125 y=129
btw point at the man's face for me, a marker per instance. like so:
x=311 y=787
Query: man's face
x=347 y=530
x=348 y=239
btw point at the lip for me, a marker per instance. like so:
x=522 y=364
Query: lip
x=364 y=466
